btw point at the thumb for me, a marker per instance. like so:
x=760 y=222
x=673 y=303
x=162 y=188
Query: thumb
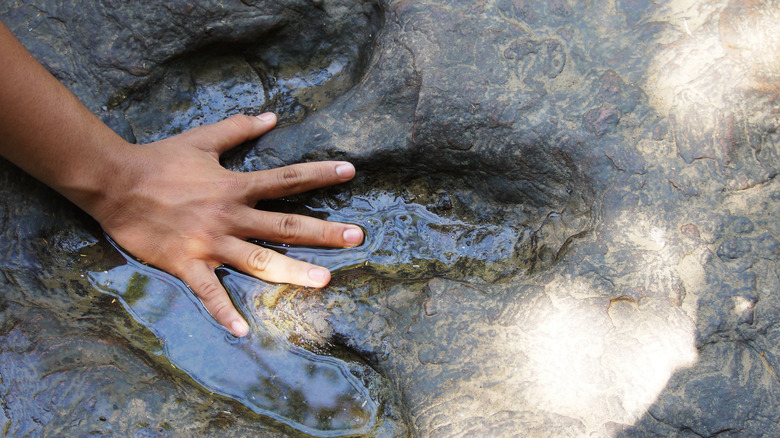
x=231 y=132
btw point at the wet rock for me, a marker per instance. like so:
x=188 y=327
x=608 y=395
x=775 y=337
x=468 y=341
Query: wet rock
x=613 y=166
x=734 y=248
x=600 y=120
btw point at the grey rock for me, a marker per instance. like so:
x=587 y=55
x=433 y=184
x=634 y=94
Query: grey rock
x=571 y=212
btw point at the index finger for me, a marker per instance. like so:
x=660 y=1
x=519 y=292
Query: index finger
x=297 y=178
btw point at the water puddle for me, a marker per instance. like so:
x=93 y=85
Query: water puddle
x=315 y=394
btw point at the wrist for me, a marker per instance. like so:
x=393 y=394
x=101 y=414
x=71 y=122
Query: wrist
x=94 y=184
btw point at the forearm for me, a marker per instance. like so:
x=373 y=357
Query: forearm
x=47 y=132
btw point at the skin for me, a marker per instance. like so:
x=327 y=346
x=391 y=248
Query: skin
x=169 y=203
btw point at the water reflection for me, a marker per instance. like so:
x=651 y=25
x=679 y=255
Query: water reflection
x=263 y=371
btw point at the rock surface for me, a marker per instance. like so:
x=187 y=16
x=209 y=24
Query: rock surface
x=571 y=207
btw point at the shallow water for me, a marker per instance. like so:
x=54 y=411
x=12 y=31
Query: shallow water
x=312 y=393
x=310 y=386
x=407 y=241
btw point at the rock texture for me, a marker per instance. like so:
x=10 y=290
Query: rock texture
x=571 y=207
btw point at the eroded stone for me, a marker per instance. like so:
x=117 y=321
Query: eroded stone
x=635 y=141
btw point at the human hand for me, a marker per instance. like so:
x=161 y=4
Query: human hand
x=169 y=203
x=178 y=209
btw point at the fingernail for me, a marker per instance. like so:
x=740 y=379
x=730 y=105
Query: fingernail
x=319 y=275
x=239 y=328
x=353 y=235
x=345 y=170
x=267 y=117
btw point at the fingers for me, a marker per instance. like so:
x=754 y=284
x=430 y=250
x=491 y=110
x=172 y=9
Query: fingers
x=297 y=230
x=229 y=133
x=271 y=266
x=297 y=178
x=200 y=277
x=260 y=262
